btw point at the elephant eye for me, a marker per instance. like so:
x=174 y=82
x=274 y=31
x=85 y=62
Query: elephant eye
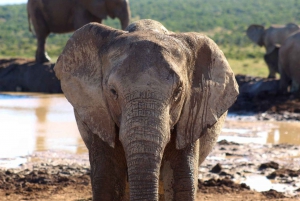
x=177 y=93
x=114 y=94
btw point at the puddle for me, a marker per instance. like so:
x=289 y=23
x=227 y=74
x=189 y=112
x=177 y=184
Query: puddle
x=272 y=132
x=261 y=183
x=36 y=122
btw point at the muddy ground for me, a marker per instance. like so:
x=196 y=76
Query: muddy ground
x=221 y=177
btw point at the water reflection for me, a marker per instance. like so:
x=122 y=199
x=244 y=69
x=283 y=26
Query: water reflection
x=261 y=132
x=285 y=133
x=35 y=122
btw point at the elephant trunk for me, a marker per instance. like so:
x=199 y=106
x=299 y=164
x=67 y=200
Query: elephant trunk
x=143 y=170
x=124 y=15
x=144 y=135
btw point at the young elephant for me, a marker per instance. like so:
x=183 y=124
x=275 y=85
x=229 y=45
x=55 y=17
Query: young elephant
x=289 y=64
x=149 y=105
x=271 y=38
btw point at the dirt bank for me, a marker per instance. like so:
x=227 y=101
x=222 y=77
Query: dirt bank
x=260 y=96
x=23 y=75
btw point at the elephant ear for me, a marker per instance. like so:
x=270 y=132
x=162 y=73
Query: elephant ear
x=212 y=90
x=255 y=33
x=95 y=7
x=80 y=71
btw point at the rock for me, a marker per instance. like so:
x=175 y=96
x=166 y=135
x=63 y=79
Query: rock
x=216 y=169
x=271 y=194
x=225 y=142
x=283 y=173
x=269 y=165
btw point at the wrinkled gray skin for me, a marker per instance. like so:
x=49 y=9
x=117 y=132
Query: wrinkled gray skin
x=289 y=64
x=271 y=38
x=149 y=105
x=62 y=16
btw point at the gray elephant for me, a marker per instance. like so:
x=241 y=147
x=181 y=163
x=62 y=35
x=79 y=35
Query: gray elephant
x=62 y=16
x=149 y=105
x=289 y=64
x=271 y=38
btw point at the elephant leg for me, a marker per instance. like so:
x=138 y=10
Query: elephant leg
x=294 y=87
x=284 y=82
x=180 y=172
x=272 y=72
x=41 y=32
x=41 y=55
x=108 y=170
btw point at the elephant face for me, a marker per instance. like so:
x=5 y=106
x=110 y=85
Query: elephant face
x=150 y=84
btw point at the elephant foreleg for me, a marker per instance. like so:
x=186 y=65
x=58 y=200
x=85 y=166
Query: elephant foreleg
x=108 y=170
x=284 y=82
x=180 y=172
x=41 y=55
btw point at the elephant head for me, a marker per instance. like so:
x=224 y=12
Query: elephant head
x=111 y=8
x=272 y=37
x=141 y=86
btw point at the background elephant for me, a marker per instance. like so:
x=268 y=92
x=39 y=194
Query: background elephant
x=289 y=63
x=62 y=16
x=149 y=105
x=271 y=39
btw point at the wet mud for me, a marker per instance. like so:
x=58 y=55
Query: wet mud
x=226 y=171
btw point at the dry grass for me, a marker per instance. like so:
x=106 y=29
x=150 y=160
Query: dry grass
x=253 y=67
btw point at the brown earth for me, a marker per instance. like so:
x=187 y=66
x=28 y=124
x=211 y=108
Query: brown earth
x=67 y=178
x=63 y=182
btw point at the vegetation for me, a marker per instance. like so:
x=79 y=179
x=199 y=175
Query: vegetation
x=225 y=21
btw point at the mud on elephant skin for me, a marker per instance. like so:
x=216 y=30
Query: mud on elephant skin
x=62 y=16
x=149 y=105
x=271 y=38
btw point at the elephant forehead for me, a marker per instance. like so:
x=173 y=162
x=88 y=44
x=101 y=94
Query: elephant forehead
x=151 y=51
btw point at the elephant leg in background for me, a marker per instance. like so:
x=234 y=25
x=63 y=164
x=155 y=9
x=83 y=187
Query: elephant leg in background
x=285 y=82
x=271 y=60
x=108 y=170
x=180 y=172
x=295 y=87
x=41 y=32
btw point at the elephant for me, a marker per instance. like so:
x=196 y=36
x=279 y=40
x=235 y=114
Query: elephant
x=149 y=105
x=63 y=16
x=271 y=38
x=289 y=64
